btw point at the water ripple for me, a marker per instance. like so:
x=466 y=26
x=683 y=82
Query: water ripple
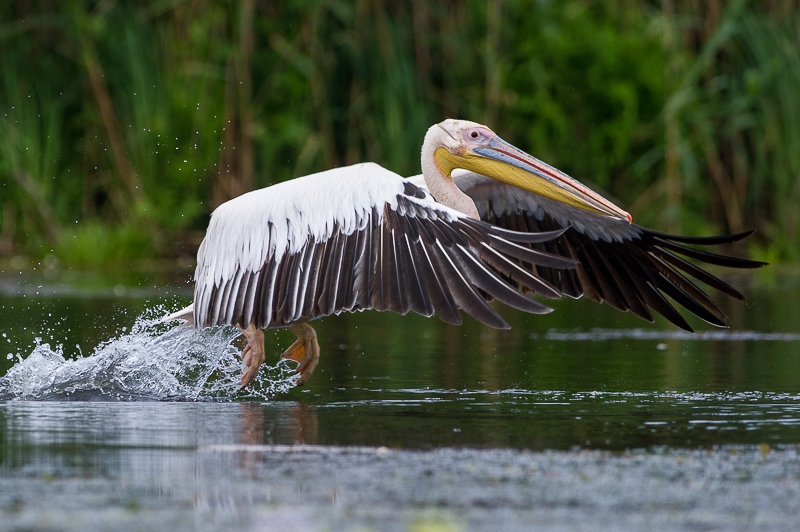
x=646 y=334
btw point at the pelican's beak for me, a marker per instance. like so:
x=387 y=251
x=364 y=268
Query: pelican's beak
x=500 y=160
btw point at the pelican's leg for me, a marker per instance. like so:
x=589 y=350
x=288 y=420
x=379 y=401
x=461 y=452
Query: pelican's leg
x=253 y=352
x=305 y=351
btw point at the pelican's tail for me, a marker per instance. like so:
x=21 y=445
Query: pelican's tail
x=186 y=315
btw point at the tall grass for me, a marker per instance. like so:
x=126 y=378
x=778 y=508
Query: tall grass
x=736 y=107
x=125 y=124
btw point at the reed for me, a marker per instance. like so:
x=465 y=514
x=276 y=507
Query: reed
x=126 y=119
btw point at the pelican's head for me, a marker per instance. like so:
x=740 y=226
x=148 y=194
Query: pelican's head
x=472 y=146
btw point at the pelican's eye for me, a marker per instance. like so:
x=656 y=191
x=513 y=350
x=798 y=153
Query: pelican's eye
x=477 y=135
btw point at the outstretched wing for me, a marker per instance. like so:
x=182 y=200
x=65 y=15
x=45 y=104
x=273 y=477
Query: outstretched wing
x=358 y=238
x=630 y=267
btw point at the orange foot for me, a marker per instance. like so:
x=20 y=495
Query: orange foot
x=305 y=351
x=253 y=352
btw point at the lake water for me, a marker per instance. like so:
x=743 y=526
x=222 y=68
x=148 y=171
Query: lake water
x=585 y=418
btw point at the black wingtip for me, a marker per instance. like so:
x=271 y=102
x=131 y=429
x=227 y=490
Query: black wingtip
x=732 y=262
x=702 y=240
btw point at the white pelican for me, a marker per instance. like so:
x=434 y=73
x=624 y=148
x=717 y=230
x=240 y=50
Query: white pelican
x=363 y=237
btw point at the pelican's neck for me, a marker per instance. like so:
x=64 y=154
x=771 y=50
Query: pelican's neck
x=441 y=185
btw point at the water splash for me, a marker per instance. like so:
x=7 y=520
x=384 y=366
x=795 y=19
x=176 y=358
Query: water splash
x=154 y=361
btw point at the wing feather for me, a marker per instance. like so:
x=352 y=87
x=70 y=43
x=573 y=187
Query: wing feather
x=625 y=265
x=435 y=286
x=393 y=248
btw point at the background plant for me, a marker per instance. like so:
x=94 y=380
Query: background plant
x=124 y=124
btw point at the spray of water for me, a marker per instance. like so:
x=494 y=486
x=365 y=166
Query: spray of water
x=154 y=361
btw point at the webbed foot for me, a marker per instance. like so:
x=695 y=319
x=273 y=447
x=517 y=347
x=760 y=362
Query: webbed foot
x=305 y=351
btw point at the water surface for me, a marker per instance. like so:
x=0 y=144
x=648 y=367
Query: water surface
x=407 y=422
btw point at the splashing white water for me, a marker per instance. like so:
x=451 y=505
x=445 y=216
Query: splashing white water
x=154 y=361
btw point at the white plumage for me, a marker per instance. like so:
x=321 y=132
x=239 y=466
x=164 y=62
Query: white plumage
x=264 y=224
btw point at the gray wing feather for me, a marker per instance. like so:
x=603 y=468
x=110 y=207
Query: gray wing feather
x=411 y=255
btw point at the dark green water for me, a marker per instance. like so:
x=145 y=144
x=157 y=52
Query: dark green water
x=126 y=430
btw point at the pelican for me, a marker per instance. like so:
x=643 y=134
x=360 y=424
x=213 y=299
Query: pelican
x=484 y=221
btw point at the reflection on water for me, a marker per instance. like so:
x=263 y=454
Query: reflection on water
x=59 y=433
x=409 y=419
x=282 y=465
x=144 y=456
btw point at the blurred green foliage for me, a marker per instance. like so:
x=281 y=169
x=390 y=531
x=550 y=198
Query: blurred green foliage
x=125 y=123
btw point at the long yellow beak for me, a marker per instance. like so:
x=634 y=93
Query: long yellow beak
x=500 y=160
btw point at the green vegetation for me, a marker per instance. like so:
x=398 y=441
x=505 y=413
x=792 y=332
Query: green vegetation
x=124 y=123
